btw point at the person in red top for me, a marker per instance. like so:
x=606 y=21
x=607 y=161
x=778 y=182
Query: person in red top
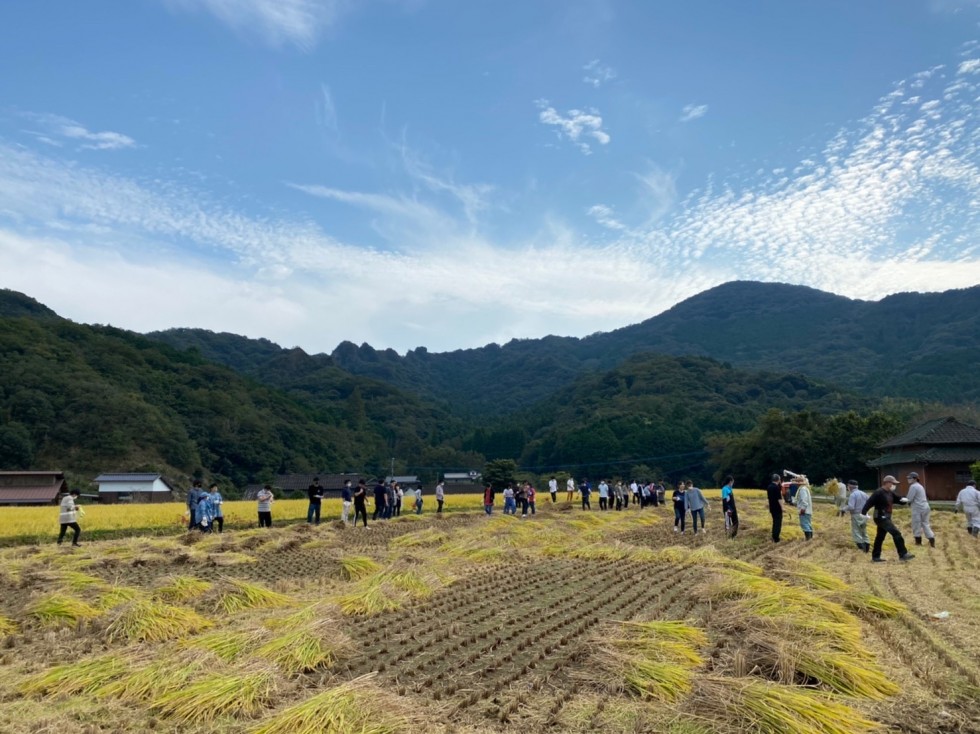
x=488 y=495
x=531 y=495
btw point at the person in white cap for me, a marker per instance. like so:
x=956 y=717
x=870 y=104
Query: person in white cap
x=920 y=510
x=882 y=500
x=968 y=502
x=859 y=521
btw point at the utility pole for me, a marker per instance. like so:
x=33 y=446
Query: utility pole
x=392 y=468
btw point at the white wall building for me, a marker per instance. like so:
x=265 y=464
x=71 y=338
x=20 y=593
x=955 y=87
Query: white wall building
x=133 y=488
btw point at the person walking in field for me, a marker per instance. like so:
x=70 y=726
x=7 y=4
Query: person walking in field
x=346 y=500
x=520 y=494
x=553 y=489
x=840 y=496
x=205 y=513
x=418 y=500
x=380 y=501
x=440 y=496
x=532 y=495
x=859 y=521
x=635 y=491
x=920 y=510
x=804 y=505
x=315 y=494
x=218 y=518
x=774 y=493
x=488 y=495
x=510 y=501
x=586 y=490
x=399 y=496
x=618 y=495
x=389 y=500
x=728 y=506
x=883 y=500
x=193 y=498
x=968 y=502
x=265 y=499
x=360 y=502
x=569 y=489
x=68 y=518
x=680 y=508
x=696 y=503
x=603 y=495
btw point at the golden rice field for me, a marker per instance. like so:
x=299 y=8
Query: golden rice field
x=568 y=621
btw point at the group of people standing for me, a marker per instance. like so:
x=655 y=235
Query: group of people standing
x=205 y=512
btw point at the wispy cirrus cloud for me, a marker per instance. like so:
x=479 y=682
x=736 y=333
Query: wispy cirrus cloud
x=56 y=130
x=597 y=73
x=276 y=22
x=576 y=126
x=693 y=112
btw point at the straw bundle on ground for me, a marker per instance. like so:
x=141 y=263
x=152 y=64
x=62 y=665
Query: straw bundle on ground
x=316 y=644
x=219 y=694
x=7 y=626
x=148 y=620
x=353 y=568
x=86 y=676
x=241 y=595
x=58 y=609
x=228 y=644
x=182 y=588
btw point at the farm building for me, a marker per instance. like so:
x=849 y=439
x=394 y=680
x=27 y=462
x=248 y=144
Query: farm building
x=939 y=451
x=407 y=481
x=115 y=488
x=31 y=487
x=461 y=477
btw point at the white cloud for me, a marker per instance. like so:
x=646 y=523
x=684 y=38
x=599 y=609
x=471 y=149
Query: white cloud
x=575 y=125
x=970 y=66
x=693 y=112
x=326 y=111
x=597 y=73
x=56 y=126
x=277 y=22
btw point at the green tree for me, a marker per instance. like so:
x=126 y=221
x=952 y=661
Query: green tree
x=16 y=450
x=500 y=472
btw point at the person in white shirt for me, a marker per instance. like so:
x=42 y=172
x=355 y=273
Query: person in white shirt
x=553 y=489
x=804 y=503
x=968 y=502
x=570 y=489
x=603 y=495
x=440 y=496
x=920 y=510
x=859 y=521
x=68 y=517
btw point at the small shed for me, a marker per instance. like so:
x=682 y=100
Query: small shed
x=115 y=488
x=461 y=477
x=939 y=451
x=407 y=481
x=31 y=487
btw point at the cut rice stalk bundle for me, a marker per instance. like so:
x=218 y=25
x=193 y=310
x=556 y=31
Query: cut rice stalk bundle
x=148 y=620
x=7 y=626
x=863 y=602
x=369 y=599
x=78 y=581
x=711 y=556
x=182 y=588
x=818 y=578
x=770 y=708
x=664 y=681
x=219 y=694
x=669 y=630
x=429 y=536
x=244 y=595
x=477 y=551
x=57 y=609
x=354 y=568
x=228 y=644
x=86 y=676
x=231 y=558
x=304 y=650
x=350 y=708
x=116 y=596
x=155 y=679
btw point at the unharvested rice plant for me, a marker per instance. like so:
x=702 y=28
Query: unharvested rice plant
x=567 y=621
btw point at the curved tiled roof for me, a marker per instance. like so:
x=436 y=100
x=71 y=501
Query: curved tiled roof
x=942 y=431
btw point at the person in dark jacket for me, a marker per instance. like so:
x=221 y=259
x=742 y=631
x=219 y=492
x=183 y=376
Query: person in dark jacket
x=360 y=502
x=883 y=500
x=728 y=507
x=380 y=500
x=194 y=495
x=774 y=492
x=315 y=494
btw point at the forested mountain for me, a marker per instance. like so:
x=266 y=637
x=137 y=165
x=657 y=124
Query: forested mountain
x=94 y=398
x=922 y=346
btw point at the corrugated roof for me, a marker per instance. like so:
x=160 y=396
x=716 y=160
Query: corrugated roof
x=127 y=477
x=29 y=495
x=934 y=455
x=939 y=431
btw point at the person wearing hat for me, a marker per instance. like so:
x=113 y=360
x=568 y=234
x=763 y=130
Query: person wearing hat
x=968 y=502
x=859 y=521
x=775 y=493
x=920 y=510
x=840 y=498
x=882 y=500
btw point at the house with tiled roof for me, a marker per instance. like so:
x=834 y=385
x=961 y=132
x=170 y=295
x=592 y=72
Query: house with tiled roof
x=940 y=451
x=134 y=487
x=31 y=487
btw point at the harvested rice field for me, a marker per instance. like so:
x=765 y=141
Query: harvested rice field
x=567 y=621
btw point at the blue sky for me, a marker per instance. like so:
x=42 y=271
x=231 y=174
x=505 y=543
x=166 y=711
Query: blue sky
x=448 y=174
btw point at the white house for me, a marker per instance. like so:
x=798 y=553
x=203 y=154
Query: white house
x=134 y=488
